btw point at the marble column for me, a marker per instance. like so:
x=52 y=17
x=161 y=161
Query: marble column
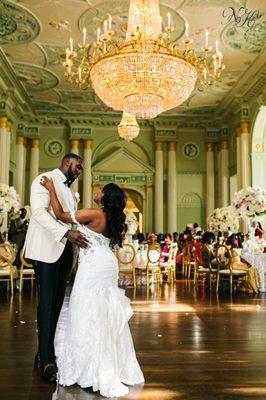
x=210 y=199
x=238 y=157
x=224 y=173
x=245 y=154
x=3 y=144
x=34 y=159
x=149 y=225
x=20 y=168
x=74 y=148
x=172 y=201
x=158 y=208
x=219 y=176
x=87 y=179
x=8 y=144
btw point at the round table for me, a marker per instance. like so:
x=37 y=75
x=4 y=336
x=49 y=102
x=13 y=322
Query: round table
x=259 y=262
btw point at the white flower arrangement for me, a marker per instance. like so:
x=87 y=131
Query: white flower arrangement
x=9 y=199
x=223 y=219
x=131 y=223
x=250 y=202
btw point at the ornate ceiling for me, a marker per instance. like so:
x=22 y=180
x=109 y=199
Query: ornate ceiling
x=34 y=34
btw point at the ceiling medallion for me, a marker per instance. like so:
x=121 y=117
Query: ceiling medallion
x=147 y=73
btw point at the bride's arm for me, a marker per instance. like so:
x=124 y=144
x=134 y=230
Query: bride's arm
x=84 y=216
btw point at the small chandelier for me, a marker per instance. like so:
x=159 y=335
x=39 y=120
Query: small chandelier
x=146 y=73
x=128 y=128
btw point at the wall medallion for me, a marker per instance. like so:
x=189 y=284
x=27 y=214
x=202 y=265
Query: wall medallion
x=54 y=147
x=191 y=150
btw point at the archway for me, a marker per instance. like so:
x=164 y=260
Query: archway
x=259 y=150
x=135 y=204
x=190 y=210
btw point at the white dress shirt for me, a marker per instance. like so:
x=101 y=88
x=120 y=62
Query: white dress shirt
x=68 y=190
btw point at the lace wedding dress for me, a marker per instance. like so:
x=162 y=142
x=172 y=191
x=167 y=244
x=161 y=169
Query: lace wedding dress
x=98 y=351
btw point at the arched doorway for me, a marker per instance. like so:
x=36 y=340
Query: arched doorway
x=259 y=150
x=135 y=204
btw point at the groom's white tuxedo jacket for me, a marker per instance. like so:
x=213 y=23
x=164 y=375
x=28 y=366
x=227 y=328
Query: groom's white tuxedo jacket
x=45 y=239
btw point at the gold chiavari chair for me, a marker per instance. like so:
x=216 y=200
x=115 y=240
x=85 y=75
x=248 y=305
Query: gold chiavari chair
x=188 y=262
x=168 y=267
x=225 y=267
x=26 y=271
x=7 y=269
x=125 y=256
x=153 y=268
x=206 y=269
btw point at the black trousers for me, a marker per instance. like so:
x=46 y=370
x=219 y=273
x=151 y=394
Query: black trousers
x=51 y=279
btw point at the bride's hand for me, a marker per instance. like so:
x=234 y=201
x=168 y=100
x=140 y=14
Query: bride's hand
x=47 y=183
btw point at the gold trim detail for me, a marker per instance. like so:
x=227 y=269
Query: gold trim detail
x=224 y=145
x=171 y=146
x=158 y=146
x=149 y=188
x=209 y=147
x=245 y=127
x=20 y=140
x=87 y=144
x=8 y=126
x=74 y=144
x=35 y=143
x=3 y=122
x=238 y=131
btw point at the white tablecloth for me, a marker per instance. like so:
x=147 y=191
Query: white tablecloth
x=259 y=262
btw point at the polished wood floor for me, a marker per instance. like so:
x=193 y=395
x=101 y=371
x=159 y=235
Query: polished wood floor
x=190 y=345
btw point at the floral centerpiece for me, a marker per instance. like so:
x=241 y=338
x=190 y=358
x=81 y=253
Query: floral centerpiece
x=9 y=203
x=223 y=219
x=131 y=223
x=250 y=202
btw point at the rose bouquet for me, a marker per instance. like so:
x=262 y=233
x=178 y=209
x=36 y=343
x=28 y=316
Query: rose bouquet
x=250 y=202
x=9 y=203
x=223 y=219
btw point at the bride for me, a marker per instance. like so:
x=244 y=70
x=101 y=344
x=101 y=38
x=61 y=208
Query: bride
x=98 y=351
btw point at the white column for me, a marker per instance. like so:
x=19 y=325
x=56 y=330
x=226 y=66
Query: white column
x=238 y=157
x=34 y=159
x=3 y=140
x=74 y=148
x=87 y=179
x=224 y=173
x=245 y=154
x=210 y=198
x=20 y=167
x=8 y=144
x=172 y=201
x=149 y=221
x=219 y=176
x=158 y=200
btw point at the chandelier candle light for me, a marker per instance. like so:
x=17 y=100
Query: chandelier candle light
x=146 y=73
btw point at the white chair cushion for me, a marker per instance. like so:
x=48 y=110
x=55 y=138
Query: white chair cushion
x=235 y=272
x=203 y=269
x=26 y=271
x=5 y=271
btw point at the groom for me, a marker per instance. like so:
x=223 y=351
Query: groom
x=52 y=247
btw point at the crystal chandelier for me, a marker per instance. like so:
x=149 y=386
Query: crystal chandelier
x=128 y=128
x=146 y=73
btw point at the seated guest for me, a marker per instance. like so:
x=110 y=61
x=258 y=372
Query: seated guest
x=175 y=237
x=180 y=243
x=208 y=240
x=168 y=240
x=152 y=242
x=160 y=239
x=259 y=230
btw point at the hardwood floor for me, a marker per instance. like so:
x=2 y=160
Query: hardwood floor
x=190 y=345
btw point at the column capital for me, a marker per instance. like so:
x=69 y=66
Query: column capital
x=209 y=147
x=8 y=126
x=149 y=188
x=158 y=146
x=224 y=145
x=74 y=144
x=35 y=143
x=238 y=131
x=244 y=125
x=87 y=144
x=3 y=122
x=20 y=140
x=171 y=146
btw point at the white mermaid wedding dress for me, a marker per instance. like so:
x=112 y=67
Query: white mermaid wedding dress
x=97 y=349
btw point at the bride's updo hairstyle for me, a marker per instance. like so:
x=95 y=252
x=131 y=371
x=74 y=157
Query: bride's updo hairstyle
x=113 y=202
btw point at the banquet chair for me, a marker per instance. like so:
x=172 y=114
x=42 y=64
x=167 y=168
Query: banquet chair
x=153 y=268
x=168 y=267
x=26 y=271
x=7 y=269
x=125 y=256
x=188 y=262
x=225 y=268
x=206 y=270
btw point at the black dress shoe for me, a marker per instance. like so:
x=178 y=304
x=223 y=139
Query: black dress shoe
x=49 y=374
x=37 y=360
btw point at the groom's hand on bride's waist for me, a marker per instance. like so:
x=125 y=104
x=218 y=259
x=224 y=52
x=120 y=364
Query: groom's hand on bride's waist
x=78 y=238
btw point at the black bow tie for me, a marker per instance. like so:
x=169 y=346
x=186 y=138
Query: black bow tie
x=68 y=182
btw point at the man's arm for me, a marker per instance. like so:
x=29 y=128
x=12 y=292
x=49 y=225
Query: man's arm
x=40 y=202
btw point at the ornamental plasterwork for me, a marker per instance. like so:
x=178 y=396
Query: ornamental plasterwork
x=35 y=78
x=95 y=15
x=54 y=147
x=52 y=53
x=77 y=96
x=17 y=25
x=46 y=106
x=243 y=38
x=191 y=150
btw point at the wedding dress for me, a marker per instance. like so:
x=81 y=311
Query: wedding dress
x=98 y=350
